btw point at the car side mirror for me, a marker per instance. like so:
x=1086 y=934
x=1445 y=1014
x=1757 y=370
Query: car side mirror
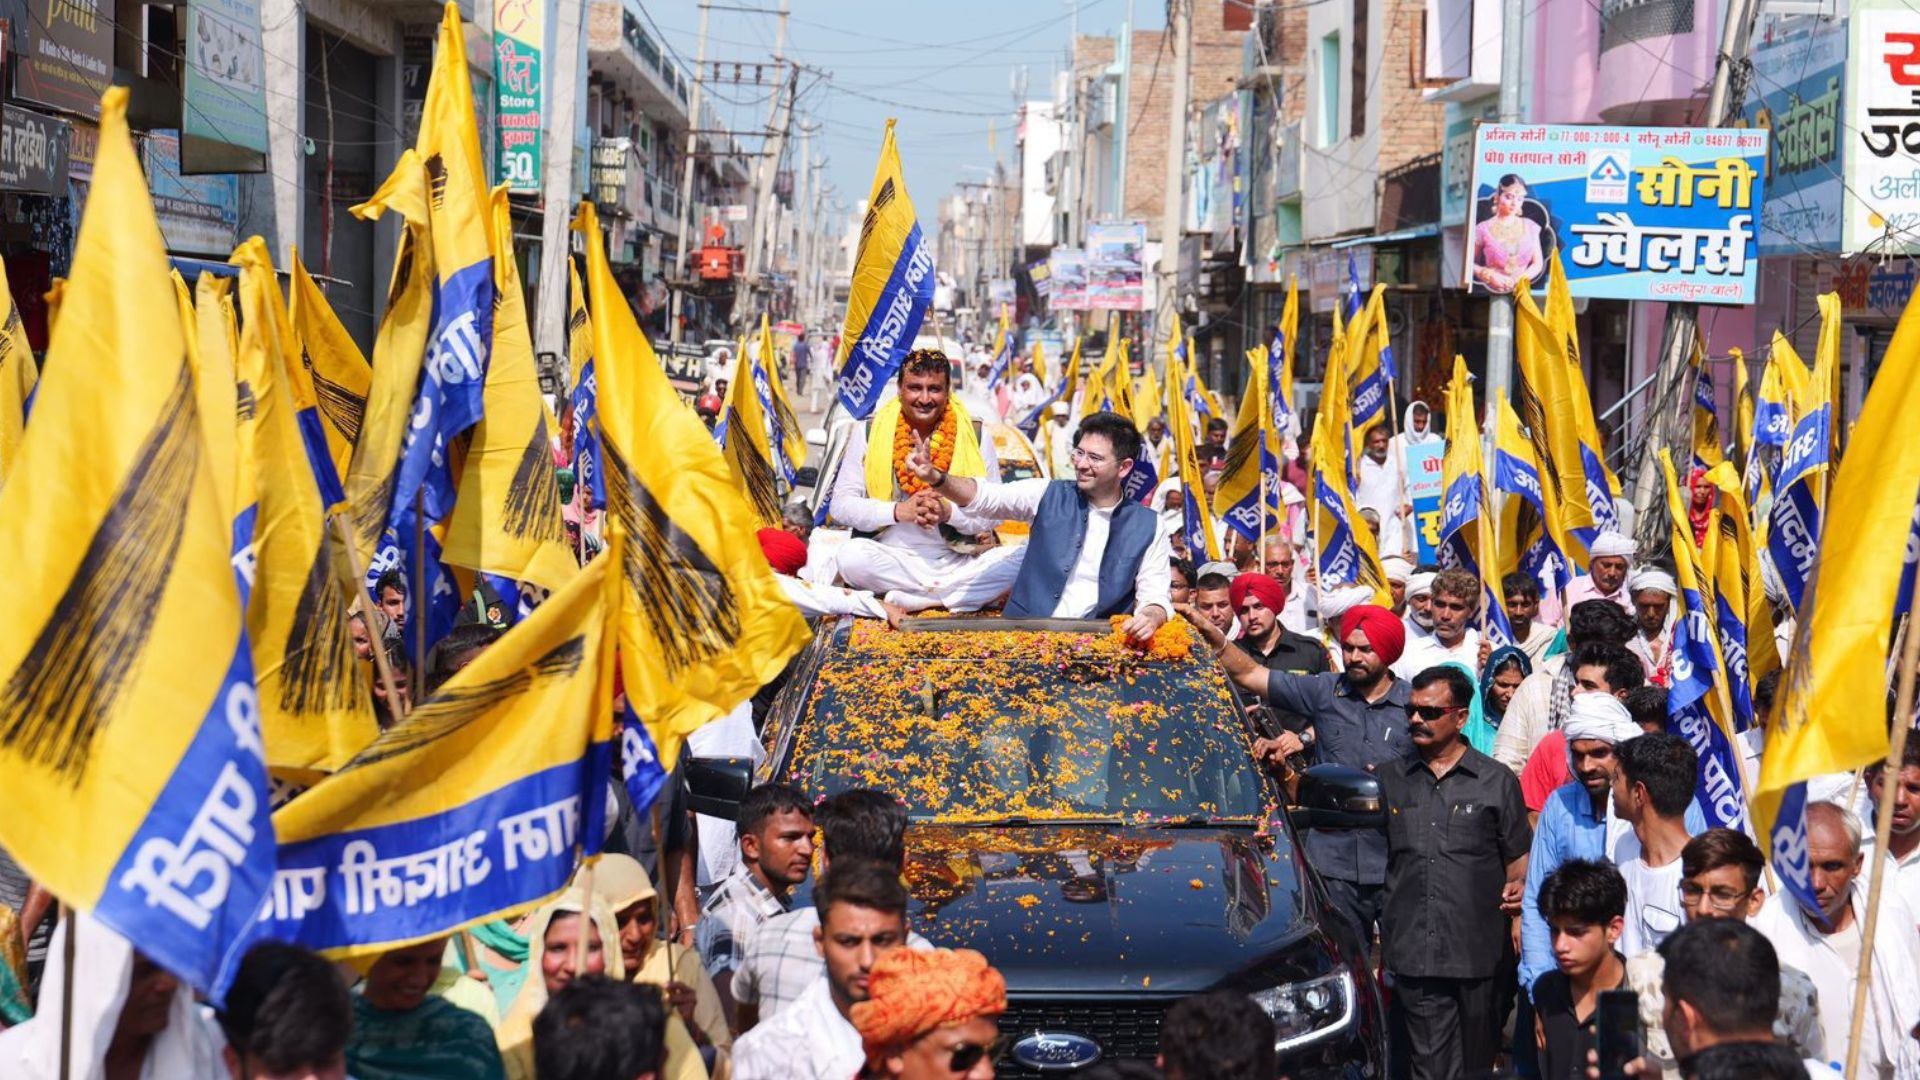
x=806 y=476
x=817 y=436
x=1337 y=797
x=717 y=786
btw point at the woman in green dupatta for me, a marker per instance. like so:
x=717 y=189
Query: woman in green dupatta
x=403 y=1031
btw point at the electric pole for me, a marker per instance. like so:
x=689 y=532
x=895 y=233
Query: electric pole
x=676 y=274
x=550 y=315
x=1500 y=315
x=761 y=208
x=1173 y=199
x=1670 y=416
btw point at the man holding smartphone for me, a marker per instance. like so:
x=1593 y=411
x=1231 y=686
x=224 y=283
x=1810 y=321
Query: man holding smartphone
x=1584 y=903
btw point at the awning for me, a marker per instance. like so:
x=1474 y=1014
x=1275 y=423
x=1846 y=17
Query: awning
x=1415 y=233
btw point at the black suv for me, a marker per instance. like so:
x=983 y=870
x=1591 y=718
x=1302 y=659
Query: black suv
x=1091 y=819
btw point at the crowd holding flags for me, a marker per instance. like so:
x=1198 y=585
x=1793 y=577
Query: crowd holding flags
x=198 y=526
x=1468 y=534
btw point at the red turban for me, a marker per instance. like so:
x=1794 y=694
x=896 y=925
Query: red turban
x=1384 y=630
x=785 y=552
x=912 y=992
x=1259 y=586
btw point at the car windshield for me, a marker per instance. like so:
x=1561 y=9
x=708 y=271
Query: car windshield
x=1012 y=725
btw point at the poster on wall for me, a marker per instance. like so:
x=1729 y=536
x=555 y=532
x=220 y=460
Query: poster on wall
x=1798 y=75
x=198 y=214
x=1637 y=213
x=1882 y=173
x=519 y=35
x=1116 y=270
x=1426 y=488
x=223 y=115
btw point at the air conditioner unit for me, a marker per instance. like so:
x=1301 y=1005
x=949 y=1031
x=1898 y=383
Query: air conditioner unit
x=1106 y=106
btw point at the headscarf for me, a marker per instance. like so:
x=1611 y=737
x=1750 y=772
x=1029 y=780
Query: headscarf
x=1497 y=659
x=1610 y=543
x=1420 y=584
x=1599 y=716
x=190 y=1044
x=1396 y=569
x=1261 y=587
x=515 y=1034
x=619 y=882
x=913 y=991
x=1414 y=438
x=1477 y=731
x=1698 y=517
x=1385 y=632
x=785 y=552
x=1654 y=578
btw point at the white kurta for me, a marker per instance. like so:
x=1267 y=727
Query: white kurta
x=902 y=555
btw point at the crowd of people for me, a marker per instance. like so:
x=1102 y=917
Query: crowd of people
x=1544 y=846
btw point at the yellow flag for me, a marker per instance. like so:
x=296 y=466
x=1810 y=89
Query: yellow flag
x=18 y=373
x=399 y=351
x=1549 y=409
x=1282 y=378
x=517 y=746
x=1467 y=529
x=744 y=441
x=1203 y=543
x=1742 y=612
x=579 y=325
x=704 y=623
x=128 y=733
x=1120 y=382
x=1099 y=381
x=216 y=337
x=1560 y=316
x=786 y=423
x=506 y=520
x=1839 y=652
x=1238 y=498
x=315 y=711
x=56 y=295
x=1707 y=448
x=1345 y=549
x=341 y=376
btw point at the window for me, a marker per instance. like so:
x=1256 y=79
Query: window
x=1358 y=99
x=1329 y=132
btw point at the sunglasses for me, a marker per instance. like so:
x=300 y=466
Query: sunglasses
x=1430 y=713
x=967 y=1055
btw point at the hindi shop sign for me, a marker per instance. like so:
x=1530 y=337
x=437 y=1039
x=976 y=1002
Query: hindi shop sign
x=68 y=61
x=1796 y=94
x=33 y=152
x=1636 y=213
x=519 y=33
x=1883 y=106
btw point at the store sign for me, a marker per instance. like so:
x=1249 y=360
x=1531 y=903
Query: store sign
x=1873 y=286
x=1796 y=94
x=1116 y=267
x=198 y=214
x=224 y=112
x=1332 y=273
x=416 y=67
x=82 y=146
x=519 y=33
x=1636 y=213
x=69 y=61
x=33 y=152
x=1882 y=174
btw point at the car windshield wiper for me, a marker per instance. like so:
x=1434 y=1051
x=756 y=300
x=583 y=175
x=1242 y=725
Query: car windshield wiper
x=1200 y=821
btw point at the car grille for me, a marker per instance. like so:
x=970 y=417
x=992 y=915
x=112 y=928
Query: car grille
x=1124 y=1028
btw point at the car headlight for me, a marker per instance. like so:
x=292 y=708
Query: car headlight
x=1308 y=1010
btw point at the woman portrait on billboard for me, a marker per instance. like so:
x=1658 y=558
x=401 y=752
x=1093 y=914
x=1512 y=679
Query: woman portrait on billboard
x=1511 y=239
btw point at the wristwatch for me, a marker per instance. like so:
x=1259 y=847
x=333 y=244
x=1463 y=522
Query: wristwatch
x=939 y=481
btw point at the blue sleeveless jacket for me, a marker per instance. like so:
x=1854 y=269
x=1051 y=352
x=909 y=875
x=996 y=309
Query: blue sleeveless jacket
x=1059 y=532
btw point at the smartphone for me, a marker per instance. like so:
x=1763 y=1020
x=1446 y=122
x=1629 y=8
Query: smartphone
x=1617 y=1037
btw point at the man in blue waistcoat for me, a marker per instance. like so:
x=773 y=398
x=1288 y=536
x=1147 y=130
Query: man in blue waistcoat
x=1092 y=554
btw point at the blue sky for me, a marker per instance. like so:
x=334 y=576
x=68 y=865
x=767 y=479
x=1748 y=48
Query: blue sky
x=945 y=69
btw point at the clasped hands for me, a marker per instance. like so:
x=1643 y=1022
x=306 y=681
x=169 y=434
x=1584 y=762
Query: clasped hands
x=924 y=508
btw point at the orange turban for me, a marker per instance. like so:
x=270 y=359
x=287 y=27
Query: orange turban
x=912 y=992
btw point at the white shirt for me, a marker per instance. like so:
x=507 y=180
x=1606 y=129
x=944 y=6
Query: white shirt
x=808 y=1039
x=856 y=508
x=1653 y=898
x=1152 y=583
x=1425 y=652
x=1380 y=488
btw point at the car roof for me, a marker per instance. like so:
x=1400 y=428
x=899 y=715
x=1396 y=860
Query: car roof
x=991 y=637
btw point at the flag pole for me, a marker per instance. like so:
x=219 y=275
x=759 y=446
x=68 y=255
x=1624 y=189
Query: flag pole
x=1882 y=833
x=66 y=992
x=419 y=587
x=380 y=666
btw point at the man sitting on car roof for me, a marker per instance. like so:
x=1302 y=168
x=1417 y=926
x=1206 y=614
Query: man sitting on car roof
x=1092 y=553
x=875 y=492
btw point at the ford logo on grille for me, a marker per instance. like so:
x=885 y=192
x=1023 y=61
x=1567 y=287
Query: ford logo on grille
x=1056 y=1051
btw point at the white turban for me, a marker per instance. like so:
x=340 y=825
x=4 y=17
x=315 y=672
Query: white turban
x=1396 y=568
x=1599 y=716
x=1420 y=584
x=1218 y=566
x=1654 y=578
x=1337 y=600
x=1612 y=543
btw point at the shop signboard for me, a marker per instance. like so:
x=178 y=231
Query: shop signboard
x=1636 y=213
x=198 y=214
x=1883 y=114
x=33 y=152
x=1796 y=93
x=68 y=62
x=1426 y=489
x=519 y=36
x=1116 y=270
x=223 y=117
x=1456 y=155
x=1067 y=266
